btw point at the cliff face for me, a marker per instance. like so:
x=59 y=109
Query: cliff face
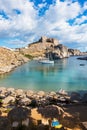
x=60 y=52
x=10 y=59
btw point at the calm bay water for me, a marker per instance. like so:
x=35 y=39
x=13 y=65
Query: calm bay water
x=66 y=74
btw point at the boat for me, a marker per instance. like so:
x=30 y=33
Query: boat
x=46 y=61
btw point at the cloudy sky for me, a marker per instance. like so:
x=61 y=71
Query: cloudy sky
x=25 y=21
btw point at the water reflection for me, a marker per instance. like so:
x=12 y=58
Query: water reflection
x=3 y=76
x=48 y=68
x=65 y=73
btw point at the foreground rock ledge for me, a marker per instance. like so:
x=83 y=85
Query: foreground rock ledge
x=42 y=106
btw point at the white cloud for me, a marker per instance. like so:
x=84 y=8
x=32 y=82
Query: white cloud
x=23 y=22
x=28 y=25
x=42 y=5
x=81 y=20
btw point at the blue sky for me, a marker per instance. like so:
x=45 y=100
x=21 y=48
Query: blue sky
x=25 y=21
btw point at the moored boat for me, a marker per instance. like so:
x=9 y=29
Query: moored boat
x=46 y=61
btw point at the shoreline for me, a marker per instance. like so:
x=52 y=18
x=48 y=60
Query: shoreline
x=41 y=98
x=10 y=68
x=69 y=106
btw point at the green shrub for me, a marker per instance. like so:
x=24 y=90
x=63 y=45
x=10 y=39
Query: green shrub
x=28 y=56
x=0 y=100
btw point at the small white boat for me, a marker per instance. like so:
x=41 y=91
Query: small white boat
x=46 y=61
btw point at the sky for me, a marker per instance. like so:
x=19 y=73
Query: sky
x=25 y=21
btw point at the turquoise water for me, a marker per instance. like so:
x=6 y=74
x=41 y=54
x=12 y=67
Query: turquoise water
x=66 y=74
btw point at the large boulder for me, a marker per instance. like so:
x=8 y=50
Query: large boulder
x=20 y=93
x=29 y=93
x=8 y=100
x=24 y=101
x=41 y=93
x=2 y=92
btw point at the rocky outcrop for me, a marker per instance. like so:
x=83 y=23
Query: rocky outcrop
x=74 y=52
x=46 y=46
x=60 y=51
x=10 y=59
x=49 y=46
x=40 y=47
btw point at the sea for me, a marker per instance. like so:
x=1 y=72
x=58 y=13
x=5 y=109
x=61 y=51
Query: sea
x=69 y=74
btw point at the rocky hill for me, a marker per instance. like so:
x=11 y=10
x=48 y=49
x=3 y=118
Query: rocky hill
x=46 y=46
x=10 y=59
x=40 y=47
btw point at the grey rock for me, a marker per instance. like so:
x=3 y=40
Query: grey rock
x=8 y=100
x=52 y=93
x=24 y=101
x=10 y=91
x=29 y=93
x=2 y=96
x=2 y=89
x=41 y=93
x=19 y=92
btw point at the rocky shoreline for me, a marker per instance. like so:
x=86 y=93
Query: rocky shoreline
x=40 y=98
x=10 y=59
x=11 y=99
